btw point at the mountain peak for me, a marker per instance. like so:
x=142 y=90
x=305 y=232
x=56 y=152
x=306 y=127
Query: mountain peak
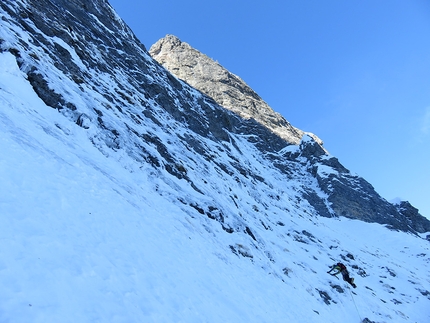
x=169 y=41
x=226 y=88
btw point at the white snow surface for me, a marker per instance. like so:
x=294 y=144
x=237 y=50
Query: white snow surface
x=91 y=236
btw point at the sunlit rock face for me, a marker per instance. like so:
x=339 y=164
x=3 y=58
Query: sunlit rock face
x=227 y=89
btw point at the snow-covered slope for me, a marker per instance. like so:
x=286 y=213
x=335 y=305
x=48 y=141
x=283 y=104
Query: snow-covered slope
x=128 y=196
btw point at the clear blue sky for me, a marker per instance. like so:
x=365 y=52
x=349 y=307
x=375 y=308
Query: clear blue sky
x=356 y=73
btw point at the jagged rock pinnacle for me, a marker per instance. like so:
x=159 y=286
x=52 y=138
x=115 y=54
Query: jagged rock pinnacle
x=227 y=89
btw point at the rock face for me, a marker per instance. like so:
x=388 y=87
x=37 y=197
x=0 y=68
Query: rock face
x=227 y=89
x=412 y=215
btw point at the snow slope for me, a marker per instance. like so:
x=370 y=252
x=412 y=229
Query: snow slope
x=90 y=233
x=85 y=240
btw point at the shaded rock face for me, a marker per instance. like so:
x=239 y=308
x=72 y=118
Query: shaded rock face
x=412 y=215
x=227 y=89
x=351 y=196
x=82 y=60
x=92 y=48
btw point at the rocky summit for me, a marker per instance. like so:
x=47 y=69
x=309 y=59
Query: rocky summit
x=227 y=89
x=141 y=191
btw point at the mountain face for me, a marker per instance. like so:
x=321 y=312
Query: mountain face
x=87 y=56
x=198 y=156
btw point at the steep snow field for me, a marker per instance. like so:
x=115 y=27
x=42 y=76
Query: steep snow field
x=87 y=238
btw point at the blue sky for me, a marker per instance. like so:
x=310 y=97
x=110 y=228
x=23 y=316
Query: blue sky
x=355 y=73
